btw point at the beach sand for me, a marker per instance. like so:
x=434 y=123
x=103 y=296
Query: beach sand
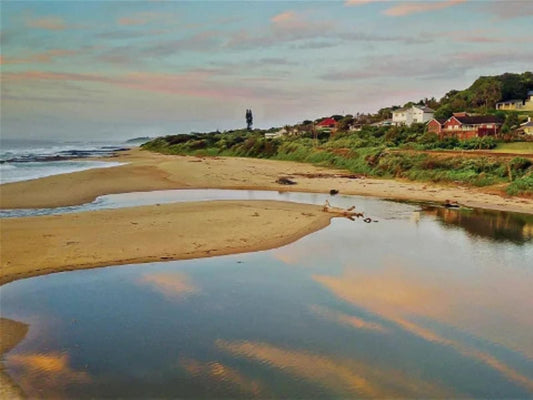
x=11 y=333
x=148 y=171
x=40 y=245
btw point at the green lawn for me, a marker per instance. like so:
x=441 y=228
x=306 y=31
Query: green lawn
x=516 y=147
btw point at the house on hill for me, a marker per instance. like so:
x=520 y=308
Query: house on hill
x=273 y=135
x=517 y=104
x=527 y=127
x=465 y=126
x=327 y=123
x=414 y=114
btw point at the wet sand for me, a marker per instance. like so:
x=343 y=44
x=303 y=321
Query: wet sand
x=148 y=171
x=11 y=333
x=40 y=245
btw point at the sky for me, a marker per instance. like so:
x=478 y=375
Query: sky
x=122 y=69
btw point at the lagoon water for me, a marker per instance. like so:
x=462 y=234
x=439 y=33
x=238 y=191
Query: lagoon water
x=427 y=302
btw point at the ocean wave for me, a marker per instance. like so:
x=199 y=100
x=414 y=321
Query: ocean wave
x=27 y=171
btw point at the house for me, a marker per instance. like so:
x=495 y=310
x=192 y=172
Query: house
x=385 y=122
x=466 y=126
x=528 y=103
x=414 y=114
x=528 y=127
x=327 y=123
x=435 y=125
x=277 y=134
x=515 y=104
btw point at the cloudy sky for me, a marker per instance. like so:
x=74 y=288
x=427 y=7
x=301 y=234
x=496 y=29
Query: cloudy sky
x=118 y=69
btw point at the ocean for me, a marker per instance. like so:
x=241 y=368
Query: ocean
x=22 y=160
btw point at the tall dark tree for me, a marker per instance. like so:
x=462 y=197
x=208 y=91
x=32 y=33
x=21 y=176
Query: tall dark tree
x=249 y=120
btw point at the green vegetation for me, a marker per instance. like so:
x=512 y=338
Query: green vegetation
x=484 y=93
x=390 y=152
x=515 y=147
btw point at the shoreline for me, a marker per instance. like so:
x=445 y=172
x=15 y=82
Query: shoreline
x=147 y=171
x=176 y=231
x=11 y=334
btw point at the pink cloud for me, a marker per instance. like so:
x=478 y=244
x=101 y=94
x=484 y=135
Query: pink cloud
x=283 y=17
x=509 y=9
x=193 y=83
x=361 y=2
x=38 y=58
x=51 y=23
x=287 y=26
x=412 y=8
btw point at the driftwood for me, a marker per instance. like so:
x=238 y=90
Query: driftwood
x=283 y=180
x=345 y=212
x=326 y=175
x=451 y=204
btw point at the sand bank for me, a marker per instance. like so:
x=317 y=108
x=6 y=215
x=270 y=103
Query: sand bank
x=151 y=171
x=11 y=333
x=41 y=245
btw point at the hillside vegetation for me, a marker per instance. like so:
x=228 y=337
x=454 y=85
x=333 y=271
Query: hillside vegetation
x=379 y=152
x=391 y=152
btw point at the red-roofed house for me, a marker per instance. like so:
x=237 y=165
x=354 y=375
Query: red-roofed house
x=464 y=126
x=327 y=123
x=435 y=125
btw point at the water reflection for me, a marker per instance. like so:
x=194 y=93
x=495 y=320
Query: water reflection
x=44 y=375
x=172 y=284
x=402 y=308
x=340 y=376
x=215 y=371
x=493 y=225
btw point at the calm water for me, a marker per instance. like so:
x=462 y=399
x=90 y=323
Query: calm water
x=426 y=303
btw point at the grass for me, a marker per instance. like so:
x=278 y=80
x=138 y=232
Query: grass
x=515 y=147
x=372 y=153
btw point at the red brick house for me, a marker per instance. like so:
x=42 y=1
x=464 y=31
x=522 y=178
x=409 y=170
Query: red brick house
x=435 y=125
x=465 y=126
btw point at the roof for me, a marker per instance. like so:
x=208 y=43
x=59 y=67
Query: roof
x=327 y=122
x=400 y=110
x=511 y=101
x=477 y=119
x=425 y=109
x=439 y=120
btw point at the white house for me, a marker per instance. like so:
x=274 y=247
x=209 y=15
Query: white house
x=274 y=135
x=415 y=114
x=515 y=104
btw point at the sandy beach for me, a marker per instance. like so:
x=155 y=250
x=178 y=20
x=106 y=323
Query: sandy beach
x=41 y=245
x=148 y=171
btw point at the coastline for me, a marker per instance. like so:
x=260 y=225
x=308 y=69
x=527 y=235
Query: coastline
x=147 y=171
x=11 y=333
x=45 y=244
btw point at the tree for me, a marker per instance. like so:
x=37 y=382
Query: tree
x=249 y=120
x=344 y=124
x=510 y=122
x=443 y=112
